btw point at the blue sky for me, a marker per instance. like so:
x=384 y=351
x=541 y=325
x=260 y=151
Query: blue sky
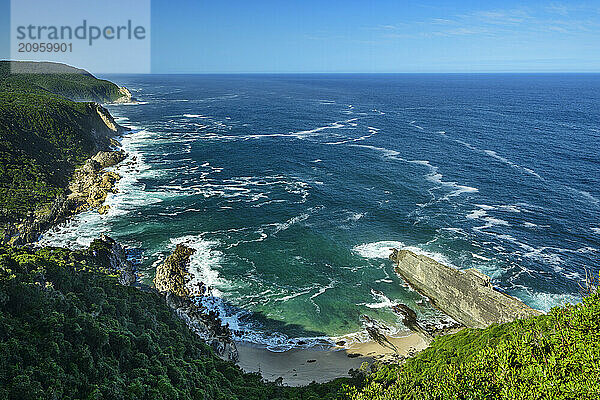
x=195 y=36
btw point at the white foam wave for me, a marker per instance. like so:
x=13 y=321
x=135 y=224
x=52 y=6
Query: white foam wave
x=321 y=291
x=586 y=195
x=383 y=249
x=382 y=301
x=480 y=257
x=133 y=103
x=545 y=301
x=204 y=263
x=81 y=229
x=495 y=155
x=372 y=132
x=476 y=214
x=433 y=176
x=491 y=222
x=506 y=161
x=355 y=216
x=414 y=123
x=386 y=152
x=279 y=227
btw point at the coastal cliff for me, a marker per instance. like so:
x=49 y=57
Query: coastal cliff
x=468 y=297
x=91 y=183
x=53 y=150
x=72 y=83
x=171 y=280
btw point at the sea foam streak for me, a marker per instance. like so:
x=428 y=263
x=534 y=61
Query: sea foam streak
x=383 y=249
x=80 y=230
x=203 y=263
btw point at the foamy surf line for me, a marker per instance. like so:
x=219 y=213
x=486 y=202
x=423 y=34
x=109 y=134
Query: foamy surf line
x=536 y=299
x=81 y=229
x=204 y=265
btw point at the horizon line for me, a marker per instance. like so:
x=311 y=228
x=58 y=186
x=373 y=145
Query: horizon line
x=361 y=73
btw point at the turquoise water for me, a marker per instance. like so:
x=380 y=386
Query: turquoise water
x=292 y=189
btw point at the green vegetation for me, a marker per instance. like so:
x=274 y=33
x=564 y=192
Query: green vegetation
x=553 y=356
x=68 y=330
x=58 y=79
x=43 y=135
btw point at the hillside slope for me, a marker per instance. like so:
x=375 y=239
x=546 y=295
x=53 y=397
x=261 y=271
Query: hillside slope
x=44 y=135
x=69 y=330
x=552 y=356
x=59 y=79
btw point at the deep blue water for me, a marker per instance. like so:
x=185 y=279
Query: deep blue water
x=293 y=188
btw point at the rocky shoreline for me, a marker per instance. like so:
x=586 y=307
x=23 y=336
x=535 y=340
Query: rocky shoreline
x=172 y=280
x=88 y=187
x=92 y=183
x=466 y=296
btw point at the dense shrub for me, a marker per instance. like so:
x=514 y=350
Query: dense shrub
x=68 y=330
x=553 y=356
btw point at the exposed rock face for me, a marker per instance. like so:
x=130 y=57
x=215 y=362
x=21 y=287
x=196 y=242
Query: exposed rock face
x=109 y=158
x=205 y=324
x=111 y=253
x=29 y=230
x=102 y=126
x=468 y=297
x=88 y=189
x=172 y=275
x=91 y=183
x=89 y=186
x=125 y=96
x=171 y=280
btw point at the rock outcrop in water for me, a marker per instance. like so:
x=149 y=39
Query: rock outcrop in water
x=171 y=280
x=468 y=297
x=172 y=275
x=409 y=319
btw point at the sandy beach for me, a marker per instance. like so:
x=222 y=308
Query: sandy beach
x=299 y=367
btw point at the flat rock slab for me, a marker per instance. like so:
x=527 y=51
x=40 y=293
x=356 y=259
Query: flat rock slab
x=466 y=296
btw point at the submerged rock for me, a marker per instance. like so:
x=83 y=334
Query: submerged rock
x=409 y=319
x=374 y=329
x=468 y=297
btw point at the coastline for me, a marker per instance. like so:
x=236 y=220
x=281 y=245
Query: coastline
x=302 y=366
x=296 y=367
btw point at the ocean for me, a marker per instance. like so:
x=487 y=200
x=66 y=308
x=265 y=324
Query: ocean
x=292 y=189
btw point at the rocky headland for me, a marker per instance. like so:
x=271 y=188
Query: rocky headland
x=108 y=252
x=468 y=297
x=172 y=281
x=88 y=187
